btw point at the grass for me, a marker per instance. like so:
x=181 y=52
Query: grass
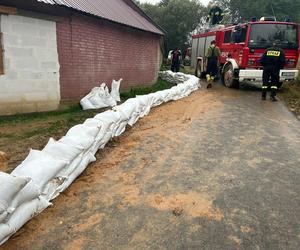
x=18 y=118
x=291 y=96
x=50 y=122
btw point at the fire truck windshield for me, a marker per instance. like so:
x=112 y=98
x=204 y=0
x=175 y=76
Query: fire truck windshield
x=263 y=35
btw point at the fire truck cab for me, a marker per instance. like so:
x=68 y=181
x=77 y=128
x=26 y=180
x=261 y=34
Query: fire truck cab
x=242 y=46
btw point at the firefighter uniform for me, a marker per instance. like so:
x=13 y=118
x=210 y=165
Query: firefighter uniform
x=272 y=61
x=215 y=15
x=213 y=53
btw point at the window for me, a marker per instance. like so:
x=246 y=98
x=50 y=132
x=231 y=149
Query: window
x=243 y=34
x=263 y=35
x=239 y=34
x=227 y=36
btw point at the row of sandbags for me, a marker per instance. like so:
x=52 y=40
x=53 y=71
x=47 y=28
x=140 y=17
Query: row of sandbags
x=99 y=97
x=172 y=77
x=44 y=174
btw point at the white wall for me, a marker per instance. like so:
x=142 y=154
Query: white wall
x=31 y=70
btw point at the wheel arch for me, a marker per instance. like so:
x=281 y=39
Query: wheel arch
x=231 y=61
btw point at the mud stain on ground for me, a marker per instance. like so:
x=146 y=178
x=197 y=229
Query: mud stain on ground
x=75 y=244
x=191 y=204
x=88 y=223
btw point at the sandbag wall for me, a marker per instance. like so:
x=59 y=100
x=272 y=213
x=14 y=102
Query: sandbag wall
x=44 y=174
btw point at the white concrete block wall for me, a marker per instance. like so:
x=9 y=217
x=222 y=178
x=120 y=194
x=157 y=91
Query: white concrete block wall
x=31 y=69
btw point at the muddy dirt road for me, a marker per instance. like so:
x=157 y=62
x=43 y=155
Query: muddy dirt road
x=217 y=170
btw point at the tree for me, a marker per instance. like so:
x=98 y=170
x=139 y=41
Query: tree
x=178 y=18
x=243 y=10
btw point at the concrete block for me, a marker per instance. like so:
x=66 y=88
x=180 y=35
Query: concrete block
x=29 y=44
x=28 y=108
x=47 y=106
x=50 y=65
x=6 y=64
x=34 y=22
x=24 y=29
x=36 y=97
x=10 y=39
x=26 y=63
x=9 y=98
x=10 y=109
x=54 y=96
x=10 y=74
x=25 y=74
x=28 y=41
x=18 y=52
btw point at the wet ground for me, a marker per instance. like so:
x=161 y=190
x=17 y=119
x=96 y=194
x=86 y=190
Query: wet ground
x=217 y=170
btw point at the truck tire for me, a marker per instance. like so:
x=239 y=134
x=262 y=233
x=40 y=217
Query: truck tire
x=229 y=77
x=198 y=72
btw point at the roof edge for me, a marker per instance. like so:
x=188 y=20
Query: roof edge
x=133 y=5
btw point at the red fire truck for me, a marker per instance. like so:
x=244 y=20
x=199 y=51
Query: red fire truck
x=241 y=47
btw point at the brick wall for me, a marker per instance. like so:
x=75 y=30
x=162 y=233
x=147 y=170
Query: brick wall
x=92 y=51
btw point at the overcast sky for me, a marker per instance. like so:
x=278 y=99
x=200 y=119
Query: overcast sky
x=205 y=2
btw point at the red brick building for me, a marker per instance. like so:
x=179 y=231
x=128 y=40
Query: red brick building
x=96 y=41
x=92 y=51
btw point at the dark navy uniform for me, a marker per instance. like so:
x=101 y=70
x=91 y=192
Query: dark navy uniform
x=273 y=60
x=176 y=55
x=215 y=15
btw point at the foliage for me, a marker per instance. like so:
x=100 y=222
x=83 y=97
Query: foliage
x=243 y=10
x=178 y=18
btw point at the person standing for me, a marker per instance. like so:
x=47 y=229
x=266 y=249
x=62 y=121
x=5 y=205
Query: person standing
x=215 y=15
x=213 y=54
x=273 y=60
x=176 y=56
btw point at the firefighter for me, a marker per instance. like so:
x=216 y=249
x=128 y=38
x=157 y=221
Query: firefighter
x=215 y=15
x=176 y=57
x=212 y=54
x=273 y=60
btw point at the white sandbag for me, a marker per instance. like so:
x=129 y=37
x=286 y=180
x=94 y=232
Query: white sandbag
x=115 y=90
x=82 y=143
x=28 y=193
x=50 y=191
x=109 y=119
x=87 y=159
x=92 y=122
x=102 y=140
x=10 y=186
x=40 y=166
x=61 y=151
x=134 y=118
x=21 y=215
x=82 y=130
x=128 y=108
x=3 y=216
x=69 y=169
x=157 y=99
x=98 y=98
x=5 y=233
x=120 y=129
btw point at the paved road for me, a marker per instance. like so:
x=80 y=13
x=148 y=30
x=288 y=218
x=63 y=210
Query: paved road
x=217 y=170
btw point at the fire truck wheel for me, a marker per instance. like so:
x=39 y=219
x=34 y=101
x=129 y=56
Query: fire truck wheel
x=228 y=77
